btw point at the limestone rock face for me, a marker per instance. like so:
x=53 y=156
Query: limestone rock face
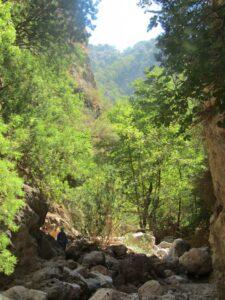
x=215 y=142
x=47 y=246
x=22 y=293
x=150 y=288
x=197 y=261
x=29 y=219
x=59 y=216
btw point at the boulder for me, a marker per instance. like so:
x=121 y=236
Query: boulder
x=100 y=269
x=135 y=269
x=197 y=261
x=119 y=250
x=175 y=279
x=168 y=273
x=162 y=252
x=93 y=258
x=72 y=276
x=72 y=264
x=178 y=248
x=56 y=289
x=112 y=263
x=80 y=247
x=46 y=273
x=22 y=293
x=97 y=280
x=47 y=246
x=150 y=288
x=165 y=245
x=109 y=294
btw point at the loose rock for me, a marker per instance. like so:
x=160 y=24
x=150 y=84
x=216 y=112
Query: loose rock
x=109 y=294
x=197 y=261
x=22 y=293
x=94 y=258
x=150 y=288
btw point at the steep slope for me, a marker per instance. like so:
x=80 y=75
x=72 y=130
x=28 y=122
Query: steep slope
x=115 y=71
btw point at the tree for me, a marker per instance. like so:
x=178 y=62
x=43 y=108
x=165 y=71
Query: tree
x=192 y=46
x=41 y=23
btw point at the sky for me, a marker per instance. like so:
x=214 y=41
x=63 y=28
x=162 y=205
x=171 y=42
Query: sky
x=121 y=23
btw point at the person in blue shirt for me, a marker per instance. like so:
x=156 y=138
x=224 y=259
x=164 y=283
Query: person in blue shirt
x=62 y=239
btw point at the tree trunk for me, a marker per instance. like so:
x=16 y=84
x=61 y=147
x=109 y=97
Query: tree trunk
x=215 y=142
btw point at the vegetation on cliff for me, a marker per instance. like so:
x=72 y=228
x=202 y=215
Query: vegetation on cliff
x=44 y=142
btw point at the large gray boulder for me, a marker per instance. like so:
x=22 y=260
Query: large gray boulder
x=45 y=274
x=113 y=265
x=135 y=269
x=22 y=293
x=80 y=247
x=93 y=258
x=178 y=248
x=197 y=261
x=150 y=288
x=97 y=280
x=60 y=290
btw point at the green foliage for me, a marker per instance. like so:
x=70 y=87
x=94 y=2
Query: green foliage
x=41 y=23
x=192 y=44
x=115 y=71
x=10 y=190
x=145 y=176
x=43 y=137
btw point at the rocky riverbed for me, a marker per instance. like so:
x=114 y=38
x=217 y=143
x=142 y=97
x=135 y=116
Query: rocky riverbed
x=86 y=271
x=172 y=270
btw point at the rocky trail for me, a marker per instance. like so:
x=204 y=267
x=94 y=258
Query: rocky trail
x=87 y=270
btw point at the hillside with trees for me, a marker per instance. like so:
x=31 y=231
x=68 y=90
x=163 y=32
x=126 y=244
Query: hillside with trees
x=115 y=71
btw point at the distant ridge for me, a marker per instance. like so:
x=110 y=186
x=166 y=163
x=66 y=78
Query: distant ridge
x=115 y=71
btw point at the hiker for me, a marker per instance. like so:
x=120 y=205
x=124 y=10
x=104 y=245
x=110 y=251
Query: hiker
x=62 y=239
